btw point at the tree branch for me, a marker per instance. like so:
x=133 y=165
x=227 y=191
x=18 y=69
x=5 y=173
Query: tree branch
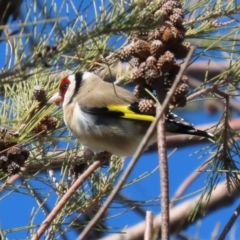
x=179 y=215
x=66 y=198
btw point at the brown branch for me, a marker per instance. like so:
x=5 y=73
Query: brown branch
x=63 y=201
x=179 y=215
x=164 y=181
x=199 y=93
x=148 y=234
x=213 y=89
x=163 y=160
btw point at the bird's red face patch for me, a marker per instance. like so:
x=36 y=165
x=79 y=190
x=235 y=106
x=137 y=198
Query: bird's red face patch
x=63 y=87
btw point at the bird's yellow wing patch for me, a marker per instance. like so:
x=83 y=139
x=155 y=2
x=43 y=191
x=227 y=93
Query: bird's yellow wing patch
x=129 y=114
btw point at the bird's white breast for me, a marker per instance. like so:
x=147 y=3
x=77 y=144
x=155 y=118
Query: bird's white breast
x=80 y=124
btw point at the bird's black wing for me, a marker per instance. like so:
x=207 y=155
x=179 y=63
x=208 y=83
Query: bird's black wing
x=129 y=111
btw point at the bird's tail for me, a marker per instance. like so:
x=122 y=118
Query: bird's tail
x=201 y=133
x=175 y=124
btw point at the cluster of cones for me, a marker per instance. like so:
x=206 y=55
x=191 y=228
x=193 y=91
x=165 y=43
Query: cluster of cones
x=154 y=55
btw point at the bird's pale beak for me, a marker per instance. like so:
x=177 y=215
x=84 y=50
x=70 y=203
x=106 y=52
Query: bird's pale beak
x=56 y=98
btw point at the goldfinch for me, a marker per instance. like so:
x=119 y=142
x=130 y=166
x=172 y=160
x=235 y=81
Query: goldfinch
x=105 y=117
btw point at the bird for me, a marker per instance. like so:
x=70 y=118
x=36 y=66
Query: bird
x=104 y=117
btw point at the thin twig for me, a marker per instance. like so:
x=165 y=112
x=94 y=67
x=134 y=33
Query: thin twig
x=164 y=181
x=230 y=223
x=195 y=83
x=138 y=152
x=199 y=93
x=91 y=169
x=148 y=235
x=131 y=204
x=211 y=89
